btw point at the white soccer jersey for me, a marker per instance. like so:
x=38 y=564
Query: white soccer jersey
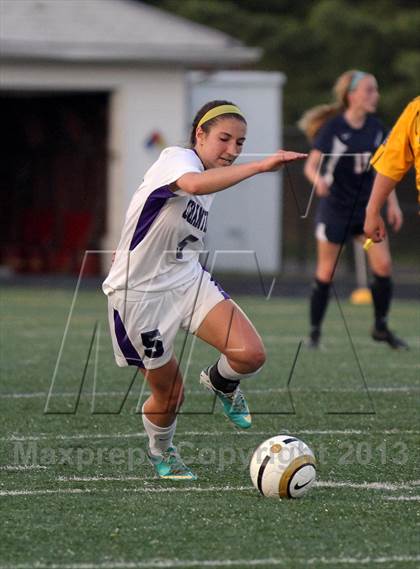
x=163 y=230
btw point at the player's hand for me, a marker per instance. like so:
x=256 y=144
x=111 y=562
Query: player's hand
x=280 y=158
x=322 y=188
x=394 y=217
x=374 y=227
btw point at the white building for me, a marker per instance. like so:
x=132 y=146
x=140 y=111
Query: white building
x=135 y=58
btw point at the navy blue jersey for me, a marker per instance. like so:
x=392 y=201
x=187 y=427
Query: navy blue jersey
x=346 y=163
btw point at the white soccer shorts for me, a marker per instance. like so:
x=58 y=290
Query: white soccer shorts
x=144 y=325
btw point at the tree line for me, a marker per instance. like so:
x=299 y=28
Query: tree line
x=314 y=41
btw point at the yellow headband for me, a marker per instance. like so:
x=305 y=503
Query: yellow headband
x=221 y=110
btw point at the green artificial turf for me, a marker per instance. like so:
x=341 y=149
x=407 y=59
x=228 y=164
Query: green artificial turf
x=87 y=498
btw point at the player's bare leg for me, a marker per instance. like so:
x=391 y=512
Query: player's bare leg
x=379 y=258
x=327 y=256
x=380 y=262
x=159 y=420
x=167 y=393
x=229 y=330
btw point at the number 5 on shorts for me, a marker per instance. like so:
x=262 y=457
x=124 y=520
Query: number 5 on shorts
x=152 y=343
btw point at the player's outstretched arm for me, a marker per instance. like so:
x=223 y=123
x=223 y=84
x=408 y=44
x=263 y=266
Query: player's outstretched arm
x=374 y=227
x=218 y=179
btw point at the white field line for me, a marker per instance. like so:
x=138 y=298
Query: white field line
x=319 y=390
x=132 y=490
x=191 y=563
x=402 y=366
x=40 y=394
x=47 y=491
x=261 y=391
x=234 y=433
x=320 y=484
x=13 y=467
x=387 y=486
x=390 y=486
x=403 y=498
x=101 y=478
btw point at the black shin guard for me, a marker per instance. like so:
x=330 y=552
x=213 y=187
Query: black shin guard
x=319 y=303
x=381 y=288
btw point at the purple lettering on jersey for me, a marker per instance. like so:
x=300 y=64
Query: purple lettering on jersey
x=154 y=203
x=196 y=216
x=129 y=351
x=190 y=206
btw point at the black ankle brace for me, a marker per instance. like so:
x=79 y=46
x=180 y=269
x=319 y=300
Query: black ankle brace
x=221 y=383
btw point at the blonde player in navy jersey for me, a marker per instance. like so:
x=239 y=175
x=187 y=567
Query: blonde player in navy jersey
x=157 y=286
x=344 y=136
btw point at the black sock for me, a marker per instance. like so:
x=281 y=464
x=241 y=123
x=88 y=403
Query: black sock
x=221 y=383
x=319 y=303
x=381 y=288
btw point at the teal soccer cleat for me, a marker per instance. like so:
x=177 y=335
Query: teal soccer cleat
x=234 y=404
x=169 y=466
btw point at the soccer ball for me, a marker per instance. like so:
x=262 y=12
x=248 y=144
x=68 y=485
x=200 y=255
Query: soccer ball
x=283 y=467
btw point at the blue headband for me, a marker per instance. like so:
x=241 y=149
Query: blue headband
x=355 y=80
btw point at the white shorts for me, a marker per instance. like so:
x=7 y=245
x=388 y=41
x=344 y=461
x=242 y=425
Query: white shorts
x=144 y=325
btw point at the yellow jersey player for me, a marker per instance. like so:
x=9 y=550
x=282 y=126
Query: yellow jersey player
x=392 y=160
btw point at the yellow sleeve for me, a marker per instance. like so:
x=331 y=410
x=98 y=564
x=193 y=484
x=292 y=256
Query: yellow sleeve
x=397 y=154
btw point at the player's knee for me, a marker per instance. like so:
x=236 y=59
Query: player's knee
x=253 y=358
x=258 y=358
x=324 y=275
x=383 y=268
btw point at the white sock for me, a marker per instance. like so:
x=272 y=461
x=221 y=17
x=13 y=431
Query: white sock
x=226 y=370
x=160 y=438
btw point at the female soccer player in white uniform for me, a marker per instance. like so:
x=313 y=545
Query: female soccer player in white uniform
x=156 y=284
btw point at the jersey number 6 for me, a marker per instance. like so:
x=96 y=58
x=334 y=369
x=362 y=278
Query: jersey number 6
x=182 y=244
